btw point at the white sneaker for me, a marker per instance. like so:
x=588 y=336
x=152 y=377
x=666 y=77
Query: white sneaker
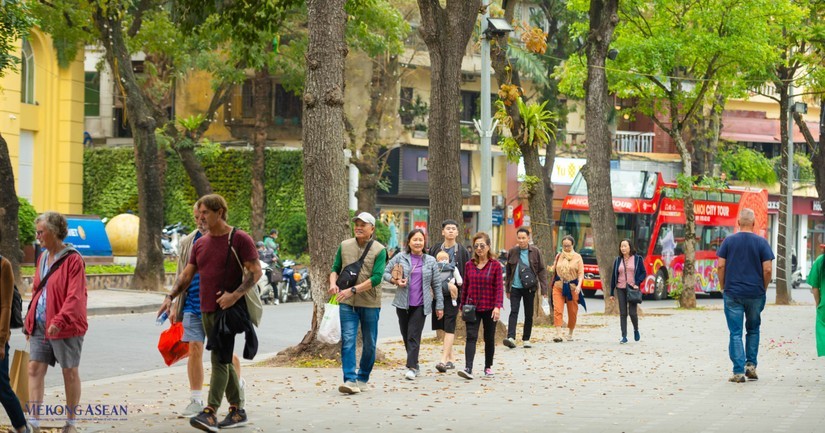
x=195 y=407
x=410 y=374
x=362 y=386
x=349 y=388
x=527 y=344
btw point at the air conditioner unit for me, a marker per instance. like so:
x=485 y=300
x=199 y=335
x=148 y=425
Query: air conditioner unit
x=467 y=78
x=498 y=201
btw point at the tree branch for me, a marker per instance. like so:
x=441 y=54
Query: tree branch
x=803 y=127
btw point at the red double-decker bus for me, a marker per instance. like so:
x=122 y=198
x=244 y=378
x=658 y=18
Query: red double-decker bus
x=650 y=212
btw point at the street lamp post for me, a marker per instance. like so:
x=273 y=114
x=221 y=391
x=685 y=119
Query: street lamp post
x=485 y=125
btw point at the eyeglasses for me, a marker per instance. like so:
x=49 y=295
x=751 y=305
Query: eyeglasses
x=479 y=246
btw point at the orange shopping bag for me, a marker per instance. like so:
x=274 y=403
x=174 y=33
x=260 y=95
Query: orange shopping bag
x=171 y=346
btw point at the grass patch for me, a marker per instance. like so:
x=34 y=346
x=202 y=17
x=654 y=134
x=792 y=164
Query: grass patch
x=168 y=265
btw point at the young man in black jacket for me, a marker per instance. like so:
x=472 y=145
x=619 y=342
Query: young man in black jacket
x=459 y=256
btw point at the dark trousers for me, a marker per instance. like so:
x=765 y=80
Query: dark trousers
x=516 y=296
x=411 y=323
x=624 y=306
x=7 y=396
x=489 y=339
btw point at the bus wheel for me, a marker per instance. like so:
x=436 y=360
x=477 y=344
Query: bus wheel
x=660 y=289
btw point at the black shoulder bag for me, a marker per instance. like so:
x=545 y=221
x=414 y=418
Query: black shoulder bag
x=349 y=275
x=16 y=305
x=634 y=295
x=528 y=278
x=468 y=310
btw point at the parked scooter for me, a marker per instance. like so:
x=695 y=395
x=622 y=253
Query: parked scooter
x=796 y=274
x=294 y=283
x=170 y=238
x=266 y=284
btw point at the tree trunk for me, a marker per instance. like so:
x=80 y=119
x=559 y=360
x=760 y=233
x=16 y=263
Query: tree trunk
x=783 y=287
x=262 y=86
x=704 y=135
x=817 y=150
x=370 y=162
x=446 y=33
x=688 y=297
x=194 y=169
x=9 y=206
x=149 y=158
x=323 y=135
x=603 y=20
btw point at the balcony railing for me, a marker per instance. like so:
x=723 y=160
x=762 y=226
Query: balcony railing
x=632 y=141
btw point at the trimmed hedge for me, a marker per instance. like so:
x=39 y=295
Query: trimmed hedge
x=110 y=188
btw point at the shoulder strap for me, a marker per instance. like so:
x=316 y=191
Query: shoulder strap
x=366 y=251
x=54 y=268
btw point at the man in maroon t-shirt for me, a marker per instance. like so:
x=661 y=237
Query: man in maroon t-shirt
x=222 y=284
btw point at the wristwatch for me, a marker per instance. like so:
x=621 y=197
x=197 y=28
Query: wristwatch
x=353 y=290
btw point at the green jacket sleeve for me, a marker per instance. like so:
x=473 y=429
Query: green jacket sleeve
x=336 y=265
x=378 y=268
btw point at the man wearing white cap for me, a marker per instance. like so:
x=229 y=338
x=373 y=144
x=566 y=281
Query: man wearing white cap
x=359 y=298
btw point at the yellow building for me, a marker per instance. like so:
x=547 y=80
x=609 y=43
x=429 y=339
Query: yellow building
x=41 y=118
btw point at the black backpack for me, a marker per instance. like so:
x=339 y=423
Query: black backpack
x=16 y=306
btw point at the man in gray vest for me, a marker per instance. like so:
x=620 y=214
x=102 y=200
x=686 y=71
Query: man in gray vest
x=360 y=304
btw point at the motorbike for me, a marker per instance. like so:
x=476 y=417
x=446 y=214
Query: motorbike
x=294 y=283
x=266 y=284
x=170 y=238
x=796 y=274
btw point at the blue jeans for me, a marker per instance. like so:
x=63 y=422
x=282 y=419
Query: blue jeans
x=350 y=318
x=735 y=310
x=7 y=396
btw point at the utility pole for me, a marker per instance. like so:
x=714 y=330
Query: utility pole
x=485 y=130
x=789 y=237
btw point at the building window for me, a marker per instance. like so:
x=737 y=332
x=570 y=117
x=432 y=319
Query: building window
x=288 y=106
x=470 y=105
x=247 y=100
x=406 y=106
x=92 y=92
x=27 y=74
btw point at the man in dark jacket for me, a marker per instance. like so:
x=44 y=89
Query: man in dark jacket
x=459 y=256
x=522 y=260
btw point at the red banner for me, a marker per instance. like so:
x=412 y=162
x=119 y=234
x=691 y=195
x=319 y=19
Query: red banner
x=518 y=216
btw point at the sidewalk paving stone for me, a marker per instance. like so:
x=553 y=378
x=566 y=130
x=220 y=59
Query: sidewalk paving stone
x=674 y=379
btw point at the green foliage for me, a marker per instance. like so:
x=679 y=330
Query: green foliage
x=376 y=27
x=747 y=165
x=803 y=169
x=15 y=22
x=537 y=126
x=26 y=214
x=109 y=184
x=529 y=64
x=293 y=234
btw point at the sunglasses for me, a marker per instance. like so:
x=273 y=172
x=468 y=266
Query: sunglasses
x=478 y=246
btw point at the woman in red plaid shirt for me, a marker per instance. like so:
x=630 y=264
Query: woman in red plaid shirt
x=483 y=288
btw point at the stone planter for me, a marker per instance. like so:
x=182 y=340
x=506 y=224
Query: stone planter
x=112 y=281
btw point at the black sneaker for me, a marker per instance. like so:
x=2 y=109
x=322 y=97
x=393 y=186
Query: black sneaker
x=206 y=420
x=466 y=373
x=235 y=418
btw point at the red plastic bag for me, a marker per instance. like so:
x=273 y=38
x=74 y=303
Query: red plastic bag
x=171 y=346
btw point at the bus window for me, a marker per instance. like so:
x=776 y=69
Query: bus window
x=712 y=237
x=670 y=240
x=650 y=185
x=644 y=224
x=577 y=225
x=714 y=196
x=699 y=194
x=731 y=198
